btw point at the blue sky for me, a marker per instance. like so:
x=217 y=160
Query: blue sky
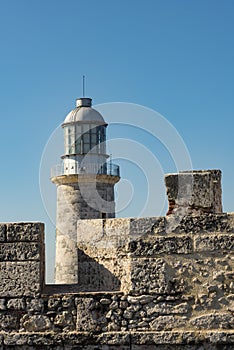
x=175 y=57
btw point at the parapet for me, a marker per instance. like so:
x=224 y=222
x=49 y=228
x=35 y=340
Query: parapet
x=21 y=259
x=146 y=283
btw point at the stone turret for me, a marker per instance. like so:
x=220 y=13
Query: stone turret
x=194 y=192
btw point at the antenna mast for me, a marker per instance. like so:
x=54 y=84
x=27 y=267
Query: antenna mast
x=83 y=85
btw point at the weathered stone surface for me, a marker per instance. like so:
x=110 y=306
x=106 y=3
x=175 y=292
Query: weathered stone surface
x=144 y=226
x=2 y=304
x=20 y=278
x=35 y=305
x=185 y=339
x=194 y=192
x=213 y=321
x=21 y=262
x=105 y=301
x=16 y=304
x=198 y=223
x=18 y=340
x=214 y=242
x=19 y=251
x=36 y=323
x=90 y=231
x=100 y=274
x=168 y=301
x=153 y=276
x=68 y=258
x=2 y=233
x=162 y=340
x=67 y=301
x=161 y=245
x=168 y=322
x=89 y=317
x=142 y=299
x=54 y=303
x=78 y=197
x=113 y=233
x=65 y=320
x=27 y=232
x=230 y=220
x=8 y=322
x=117 y=229
x=166 y=308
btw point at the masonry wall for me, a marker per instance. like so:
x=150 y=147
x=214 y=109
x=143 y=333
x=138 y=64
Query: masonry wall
x=21 y=260
x=153 y=283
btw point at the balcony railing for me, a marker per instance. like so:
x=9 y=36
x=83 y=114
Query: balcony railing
x=88 y=168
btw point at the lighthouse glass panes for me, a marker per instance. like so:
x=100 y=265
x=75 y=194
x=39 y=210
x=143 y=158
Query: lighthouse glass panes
x=84 y=138
x=69 y=139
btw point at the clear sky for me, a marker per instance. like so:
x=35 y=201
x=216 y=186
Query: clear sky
x=175 y=57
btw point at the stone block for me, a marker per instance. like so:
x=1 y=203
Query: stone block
x=2 y=304
x=230 y=218
x=194 y=191
x=67 y=301
x=153 y=275
x=102 y=234
x=89 y=274
x=19 y=251
x=26 y=232
x=143 y=226
x=65 y=320
x=35 y=305
x=161 y=245
x=166 y=308
x=2 y=233
x=184 y=340
x=168 y=322
x=98 y=275
x=37 y=341
x=8 y=322
x=117 y=228
x=20 y=279
x=142 y=299
x=54 y=303
x=214 y=242
x=16 y=304
x=86 y=318
x=36 y=323
x=18 y=340
x=90 y=232
x=198 y=224
x=213 y=321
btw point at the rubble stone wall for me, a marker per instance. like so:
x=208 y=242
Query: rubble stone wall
x=154 y=283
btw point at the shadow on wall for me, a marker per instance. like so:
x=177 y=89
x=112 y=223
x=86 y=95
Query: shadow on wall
x=95 y=276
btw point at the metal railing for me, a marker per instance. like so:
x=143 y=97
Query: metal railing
x=87 y=168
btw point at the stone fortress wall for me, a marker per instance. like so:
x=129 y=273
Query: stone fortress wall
x=150 y=283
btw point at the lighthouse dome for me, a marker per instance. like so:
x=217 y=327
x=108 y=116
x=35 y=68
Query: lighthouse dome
x=84 y=113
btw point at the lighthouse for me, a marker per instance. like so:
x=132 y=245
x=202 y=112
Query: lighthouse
x=85 y=180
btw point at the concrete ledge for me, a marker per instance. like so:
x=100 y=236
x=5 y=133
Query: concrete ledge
x=82 y=178
x=112 y=340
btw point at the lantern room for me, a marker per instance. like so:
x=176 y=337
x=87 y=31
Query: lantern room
x=84 y=143
x=84 y=130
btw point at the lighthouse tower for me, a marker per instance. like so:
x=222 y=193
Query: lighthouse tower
x=85 y=182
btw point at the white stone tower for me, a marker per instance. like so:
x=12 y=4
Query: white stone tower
x=85 y=184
